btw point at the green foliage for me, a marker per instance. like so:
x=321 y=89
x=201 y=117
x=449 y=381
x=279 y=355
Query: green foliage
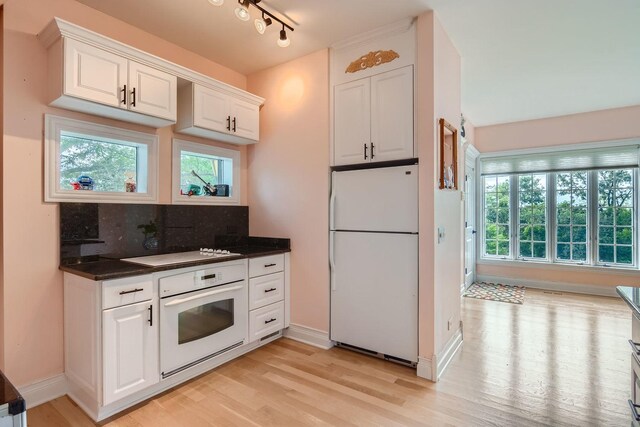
x=108 y=164
x=207 y=167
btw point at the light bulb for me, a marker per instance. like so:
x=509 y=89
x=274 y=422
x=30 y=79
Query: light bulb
x=283 y=41
x=242 y=13
x=216 y=2
x=261 y=26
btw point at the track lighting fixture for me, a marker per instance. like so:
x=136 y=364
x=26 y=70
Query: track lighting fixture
x=261 y=24
x=283 y=41
x=242 y=11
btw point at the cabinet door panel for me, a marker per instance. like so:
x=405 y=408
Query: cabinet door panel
x=130 y=347
x=94 y=74
x=352 y=122
x=210 y=109
x=392 y=114
x=155 y=91
x=247 y=122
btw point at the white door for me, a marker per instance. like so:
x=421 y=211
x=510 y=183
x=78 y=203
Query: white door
x=211 y=109
x=245 y=119
x=352 y=122
x=384 y=199
x=392 y=115
x=470 y=222
x=374 y=292
x=94 y=74
x=152 y=91
x=130 y=350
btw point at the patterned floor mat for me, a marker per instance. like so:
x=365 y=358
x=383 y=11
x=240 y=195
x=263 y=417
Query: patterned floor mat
x=496 y=292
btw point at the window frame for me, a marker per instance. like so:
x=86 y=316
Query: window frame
x=592 y=225
x=180 y=145
x=55 y=126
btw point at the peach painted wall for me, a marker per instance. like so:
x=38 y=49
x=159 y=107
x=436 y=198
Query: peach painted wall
x=1 y=199
x=289 y=180
x=449 y=254
x=426 y=148
x=32 y=309
x=620 y=123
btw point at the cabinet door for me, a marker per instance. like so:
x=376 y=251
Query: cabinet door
x=94 y=74
x=130 y=350
x=392 y=115
x=247 y=119
x=211 y=109
x=352 y=122
x=152 y=91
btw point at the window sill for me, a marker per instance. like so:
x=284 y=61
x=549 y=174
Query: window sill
x=621 y=271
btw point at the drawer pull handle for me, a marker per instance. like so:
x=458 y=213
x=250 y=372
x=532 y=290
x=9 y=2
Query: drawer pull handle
x=208 y=276
x=269 y=290
x=269 y=265
x=634 y=410
x=269 y=321
x=635 y=347
x=132 y=291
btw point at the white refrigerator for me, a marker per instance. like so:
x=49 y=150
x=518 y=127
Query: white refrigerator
x=374 y=260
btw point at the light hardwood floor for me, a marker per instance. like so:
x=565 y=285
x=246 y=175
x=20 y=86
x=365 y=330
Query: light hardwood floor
x=557 y=360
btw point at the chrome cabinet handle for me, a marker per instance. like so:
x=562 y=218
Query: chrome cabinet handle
x=132 y=291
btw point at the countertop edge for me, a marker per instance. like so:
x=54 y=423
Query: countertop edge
x=626 y=299
x=142 y=270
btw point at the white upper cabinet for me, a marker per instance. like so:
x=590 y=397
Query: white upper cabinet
x=214 y=114
x=99 y=82
x=94 y=74
x=373 y=118
x=352 y=122
x=392 y=115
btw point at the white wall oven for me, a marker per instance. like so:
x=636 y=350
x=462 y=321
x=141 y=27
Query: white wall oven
x=203 y=314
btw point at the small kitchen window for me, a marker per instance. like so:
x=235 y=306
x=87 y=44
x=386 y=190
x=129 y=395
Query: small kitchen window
x=88 y=162
x=204 y=174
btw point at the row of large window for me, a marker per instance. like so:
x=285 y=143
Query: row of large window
x=583 y=217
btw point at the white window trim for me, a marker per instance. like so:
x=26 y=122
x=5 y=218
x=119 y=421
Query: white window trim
x=55 y=125
x=180 y=145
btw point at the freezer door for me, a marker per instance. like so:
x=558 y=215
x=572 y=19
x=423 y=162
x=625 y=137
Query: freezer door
x=384 y=199
x=374 y=292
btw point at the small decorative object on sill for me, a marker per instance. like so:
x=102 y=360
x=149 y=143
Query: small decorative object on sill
x=130 y=183
x=84 y=183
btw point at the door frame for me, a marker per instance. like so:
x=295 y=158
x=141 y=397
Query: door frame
x=470 y=168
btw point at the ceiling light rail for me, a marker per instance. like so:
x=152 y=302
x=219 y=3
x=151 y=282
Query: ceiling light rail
x=261 y=24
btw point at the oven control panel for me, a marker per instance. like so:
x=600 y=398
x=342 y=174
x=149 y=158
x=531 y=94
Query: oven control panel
x=194 y=279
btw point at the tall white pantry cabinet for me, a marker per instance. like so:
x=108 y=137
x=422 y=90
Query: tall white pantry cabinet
x=372 y=80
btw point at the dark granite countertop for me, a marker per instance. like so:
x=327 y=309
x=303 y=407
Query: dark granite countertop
x=10 y=396
x=631 y=296
x=106 y=269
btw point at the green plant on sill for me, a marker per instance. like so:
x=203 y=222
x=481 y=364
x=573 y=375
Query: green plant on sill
x=149 y=230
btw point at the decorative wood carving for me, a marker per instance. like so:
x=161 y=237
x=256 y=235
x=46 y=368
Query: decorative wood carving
x=372 y=59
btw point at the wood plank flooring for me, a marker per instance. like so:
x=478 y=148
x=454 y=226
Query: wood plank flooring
x=557 y=360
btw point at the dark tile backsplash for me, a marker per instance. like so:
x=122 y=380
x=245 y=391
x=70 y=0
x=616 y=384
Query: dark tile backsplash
x=92 y=230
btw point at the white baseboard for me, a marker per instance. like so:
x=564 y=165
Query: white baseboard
x=309 y=336
x=450 y=349
x=424 y=368
x=579 y=288
x=43 y=391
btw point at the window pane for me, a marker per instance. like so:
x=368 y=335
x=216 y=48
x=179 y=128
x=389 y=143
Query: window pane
x=615 y=216
x=497 y=215
x=532 y=211
x=526 y=232
x=205 y=175
x=88 y=164
x=571 y=215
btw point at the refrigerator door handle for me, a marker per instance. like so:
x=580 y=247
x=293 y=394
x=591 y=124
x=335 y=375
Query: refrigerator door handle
x=332 y=208
x=332 y=263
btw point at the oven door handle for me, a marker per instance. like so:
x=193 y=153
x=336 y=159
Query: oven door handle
x=206 y=294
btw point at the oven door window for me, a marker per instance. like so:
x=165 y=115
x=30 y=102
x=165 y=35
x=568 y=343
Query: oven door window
x=204 y=320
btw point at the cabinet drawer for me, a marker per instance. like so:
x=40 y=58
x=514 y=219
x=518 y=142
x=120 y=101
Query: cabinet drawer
x=126 y=291
x=266 y=265
x=266 y=320
x=265 y=290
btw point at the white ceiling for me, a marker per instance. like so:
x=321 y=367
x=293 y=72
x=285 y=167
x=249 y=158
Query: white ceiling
x=521 y=59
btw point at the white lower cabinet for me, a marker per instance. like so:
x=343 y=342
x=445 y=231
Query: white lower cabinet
x=130 y=350
x=268 y=291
